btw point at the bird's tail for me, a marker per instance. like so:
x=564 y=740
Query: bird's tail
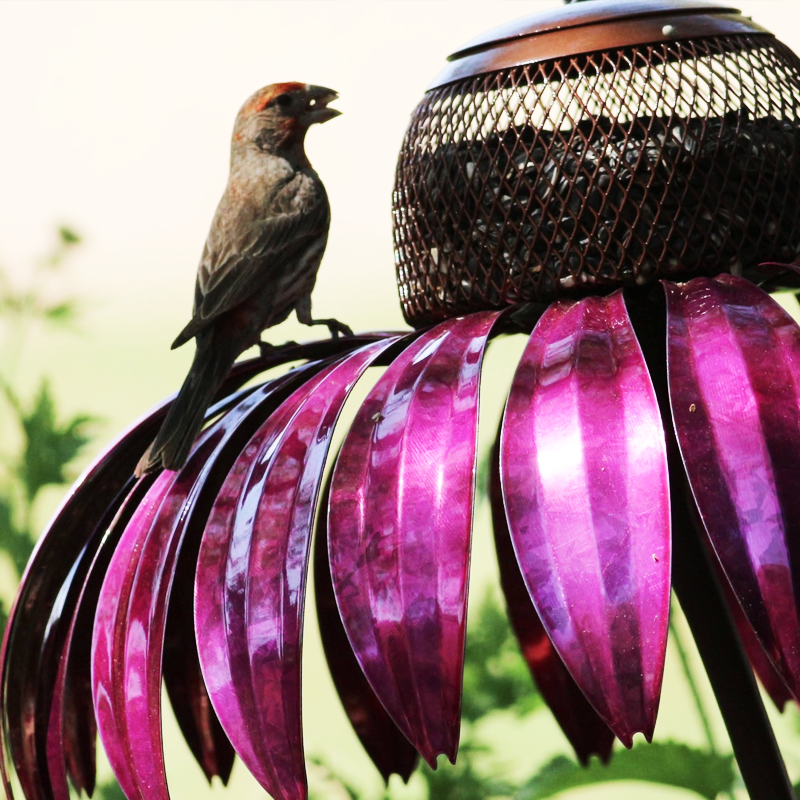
x=170 y=449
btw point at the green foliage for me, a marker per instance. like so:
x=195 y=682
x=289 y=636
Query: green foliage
x=48 y=446
x=28 y=304
x=329 y=779
x=462 y=780
x=667 y=763
x=16 y=540
x=68 y=236
x=496 y=676
x=45 y=446
x=109 y=791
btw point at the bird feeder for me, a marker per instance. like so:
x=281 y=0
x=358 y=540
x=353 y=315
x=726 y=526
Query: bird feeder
x=598 y=145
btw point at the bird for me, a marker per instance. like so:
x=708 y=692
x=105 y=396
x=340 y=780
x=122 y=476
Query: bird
x=261 y=257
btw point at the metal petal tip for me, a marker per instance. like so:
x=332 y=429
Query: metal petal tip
x=584 y=478
x=400 y=523
x=585 y=730
x=389 y=750
x=734 y=358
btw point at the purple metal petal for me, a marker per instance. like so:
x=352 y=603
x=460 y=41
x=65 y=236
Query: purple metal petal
x=138 y=582
x=584 y=473
x=132 y=611
x=183 y=677
x=43 y=609
x=110 y=689
x=79 y=734
x=389 y=750
x=772 y=682
x=251 y=577
x=585 y=730
x=41 y=616
x=400 y=523
x=734 y=362
x=72 y=728
x=770 y=679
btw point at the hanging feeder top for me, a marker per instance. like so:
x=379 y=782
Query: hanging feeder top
x=590 y=26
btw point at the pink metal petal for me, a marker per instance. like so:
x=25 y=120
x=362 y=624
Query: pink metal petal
x=251 y=577
x=183 y=678
x=132 y=609
x=584 y=474
x=400 y=523
x=43 y=610
x=38 y=631
x=389 y=750
x=80 y=732
x=72 y=728
x=42 y=615
x=734 y=374
x=108 y=686
x=585 y=730
x=772 y=682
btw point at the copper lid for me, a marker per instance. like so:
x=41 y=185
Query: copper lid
x=590 y=26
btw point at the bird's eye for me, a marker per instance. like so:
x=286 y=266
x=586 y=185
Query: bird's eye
x=283 y=100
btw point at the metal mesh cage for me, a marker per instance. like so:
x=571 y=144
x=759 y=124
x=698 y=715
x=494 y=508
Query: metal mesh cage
x=584 y=173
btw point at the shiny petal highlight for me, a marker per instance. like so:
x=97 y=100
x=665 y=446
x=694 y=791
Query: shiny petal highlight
x=584 y=476
x=400 y=524
x=585 y=730
x=734 y=377
x=389 y=750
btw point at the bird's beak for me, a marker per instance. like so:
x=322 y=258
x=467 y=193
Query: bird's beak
x=317 y=105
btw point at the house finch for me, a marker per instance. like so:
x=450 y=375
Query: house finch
x=261 y=257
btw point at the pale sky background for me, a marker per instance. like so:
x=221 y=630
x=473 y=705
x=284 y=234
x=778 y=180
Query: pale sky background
x=116 y=118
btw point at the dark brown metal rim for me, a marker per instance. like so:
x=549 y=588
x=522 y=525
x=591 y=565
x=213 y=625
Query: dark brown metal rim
x=588 y=38
x=576 y=15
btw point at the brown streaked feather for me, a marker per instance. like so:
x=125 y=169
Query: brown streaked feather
x=230 y=275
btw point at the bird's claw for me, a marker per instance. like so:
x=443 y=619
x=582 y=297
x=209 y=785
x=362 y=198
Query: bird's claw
x=336 y=328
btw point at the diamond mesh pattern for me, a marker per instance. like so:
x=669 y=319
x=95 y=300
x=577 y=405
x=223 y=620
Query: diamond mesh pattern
x=581 y=174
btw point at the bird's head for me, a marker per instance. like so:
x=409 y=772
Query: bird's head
x=276 y=118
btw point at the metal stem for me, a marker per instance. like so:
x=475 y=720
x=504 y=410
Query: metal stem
x=683 y=657
x=700 y=595
x=677 y=640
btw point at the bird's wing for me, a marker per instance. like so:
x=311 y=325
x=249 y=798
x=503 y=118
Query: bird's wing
x=231 y=273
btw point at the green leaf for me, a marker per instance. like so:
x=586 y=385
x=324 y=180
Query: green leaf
x=68 y=236
x=110 y=790
x=330 y=777
x=61 y=313
x=3 y=616
x=668 y=763
x=496 y=676
x=49 y=446
x=23 y=303
x=461 y=781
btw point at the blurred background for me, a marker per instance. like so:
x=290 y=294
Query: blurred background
x=116 y=120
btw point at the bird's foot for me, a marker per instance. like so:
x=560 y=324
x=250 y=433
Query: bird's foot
x=335 y=327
